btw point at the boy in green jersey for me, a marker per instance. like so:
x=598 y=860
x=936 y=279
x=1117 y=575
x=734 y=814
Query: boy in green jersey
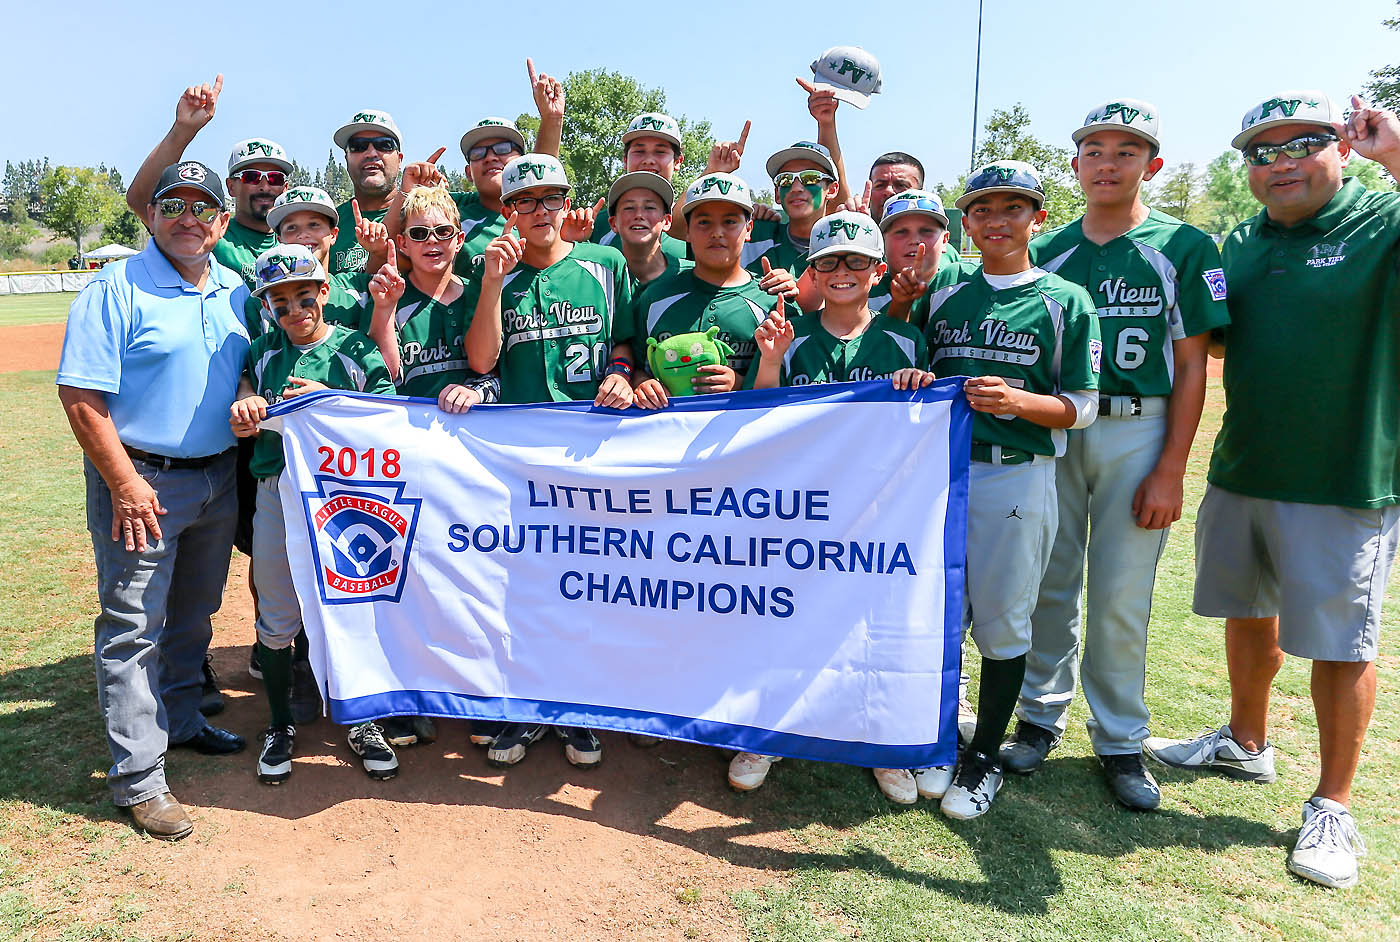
x=805 y=181
x=1296 y=534
x=639 y=214
x=305 y=215
x=716 y=292
x=1030 y=342
x=845 y=342
x=305 y=355
x=1159 y=290
x=915 y=226
x=552 y=316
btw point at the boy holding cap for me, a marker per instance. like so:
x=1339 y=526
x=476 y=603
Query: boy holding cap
x=373 y=155
x=1158 y=288
x=1030 y=341
x=305 y=355
x=845 y=342
x=552 y=316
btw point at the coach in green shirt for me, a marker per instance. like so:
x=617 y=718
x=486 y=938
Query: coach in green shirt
x=1297 y=532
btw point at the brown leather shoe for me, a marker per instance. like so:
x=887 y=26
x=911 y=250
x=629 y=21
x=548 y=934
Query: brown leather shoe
x=162 y=817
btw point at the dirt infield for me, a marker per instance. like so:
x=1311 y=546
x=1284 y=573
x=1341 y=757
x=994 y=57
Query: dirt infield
x=30 y=347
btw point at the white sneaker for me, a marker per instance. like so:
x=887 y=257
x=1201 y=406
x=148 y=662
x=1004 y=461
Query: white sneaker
x=1216 y=750
x=1328 y=845
x=976 y=781
x=747 y=770
x=897 y=785
x=934 y=782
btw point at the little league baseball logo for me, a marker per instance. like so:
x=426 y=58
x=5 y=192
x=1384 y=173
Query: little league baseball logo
x=361 y=537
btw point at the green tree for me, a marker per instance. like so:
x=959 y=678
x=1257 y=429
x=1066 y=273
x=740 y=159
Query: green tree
x=1228 y=201
x=600 y=106
x=124 y=228
x=14 y=236
x=1384 y=89
x=335 y=179
x=22 y=183
x=1180 y=192
x=76 y=199
x=1369 y=173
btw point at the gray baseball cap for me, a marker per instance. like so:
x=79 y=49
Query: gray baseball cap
x=487 y=128
x=913 y=202
x=1308 y=106
x=367 y=120
x=284 y=264
x=851 y=72
x=802 y=150
x=718 y=188
x=644 y=180
x=846 y=233
x=1003 y=176
x=297 y=198
x=1123 y=114
x=532 y=171
x=653 y=124
x=257 y=150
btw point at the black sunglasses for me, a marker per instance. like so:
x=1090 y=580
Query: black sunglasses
x=1262 y=155
x=173 y=207
x=384 y=145
x=500 y=149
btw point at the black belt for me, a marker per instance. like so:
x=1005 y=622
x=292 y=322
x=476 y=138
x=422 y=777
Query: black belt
x=1106 y=404
x=166 y=463
x=983 y=452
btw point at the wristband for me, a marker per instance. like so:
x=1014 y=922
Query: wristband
x=619 y=367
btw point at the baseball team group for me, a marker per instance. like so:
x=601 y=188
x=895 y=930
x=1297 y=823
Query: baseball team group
x=1084 y=350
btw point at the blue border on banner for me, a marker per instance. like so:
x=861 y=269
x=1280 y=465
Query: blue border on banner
x=955 y=563
x=704 y=732
x=880 y=390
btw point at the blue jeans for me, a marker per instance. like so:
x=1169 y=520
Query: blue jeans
x=154 y=628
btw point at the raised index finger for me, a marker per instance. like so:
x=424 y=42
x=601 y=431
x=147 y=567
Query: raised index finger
x=807 y=86
x=355 y=207
x=744 y=135
x=436 y=154
x=512 y=223
x=218 y=84
x=530 y=67
x=391 y=259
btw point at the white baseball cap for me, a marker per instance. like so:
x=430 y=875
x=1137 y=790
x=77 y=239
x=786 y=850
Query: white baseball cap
x=1308 y=106
x=367 y=120
x=718 y=188
x=802 y=150
x=846 y=233
x=653 y=124
x=297 y=198
x=257 y=150
x=284 y=264
x=644 y=180
x=851 y=72
x=1003 y=176
x=913 y=202
x=1123 y=114
x=530 y=172
x=487 y=128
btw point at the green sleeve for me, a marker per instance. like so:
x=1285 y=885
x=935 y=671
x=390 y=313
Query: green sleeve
x=376 y=373
x=1202 y=308
x=624 y=327
x=1081 y=350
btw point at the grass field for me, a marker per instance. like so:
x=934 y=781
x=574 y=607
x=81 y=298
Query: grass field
x=1055 y=858
x=16 y=309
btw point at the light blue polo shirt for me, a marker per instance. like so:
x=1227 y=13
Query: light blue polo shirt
x=167 y=355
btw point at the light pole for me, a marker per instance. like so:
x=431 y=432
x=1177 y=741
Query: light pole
x=976 y=87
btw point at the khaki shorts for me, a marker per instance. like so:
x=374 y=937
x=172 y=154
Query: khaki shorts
x=1320 y=568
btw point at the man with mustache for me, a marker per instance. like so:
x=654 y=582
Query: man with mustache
x=373 y=154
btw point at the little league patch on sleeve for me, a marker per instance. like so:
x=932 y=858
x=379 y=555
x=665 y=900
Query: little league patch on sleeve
x=1095 y=355
x=1215 y=280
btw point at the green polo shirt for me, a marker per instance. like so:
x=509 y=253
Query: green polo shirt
x=347 y=255
x=240 y=248
x=1159 y=282
x=1312 y=359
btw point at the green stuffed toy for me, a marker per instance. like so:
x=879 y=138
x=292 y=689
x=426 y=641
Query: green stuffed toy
x=676 y=361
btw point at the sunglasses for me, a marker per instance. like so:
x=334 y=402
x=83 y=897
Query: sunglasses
x=384 y=145
x=829 y=263
x=1262 y=155
x=909 y=205
x=421 y=233
x=500 y=149
x=173 y=207
x=805 y=177
x=254 y=177
x=525 y=205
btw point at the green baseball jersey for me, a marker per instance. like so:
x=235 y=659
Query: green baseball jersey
x=432 y=341
x=880 y=294
x=240 y=247
x=683 y=303
x=1041 y=336
x=344 y=359
x=603 y=235
x=1159 y=282
x=950 y=271
x=816 y=355
x=771 y=240
x=481 y=225
x=349 y=304
x=673 y=266
x=347 y=255
x=559 y=324
x=1312 y=356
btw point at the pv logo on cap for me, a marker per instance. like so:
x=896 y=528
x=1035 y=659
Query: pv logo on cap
x=361 y=537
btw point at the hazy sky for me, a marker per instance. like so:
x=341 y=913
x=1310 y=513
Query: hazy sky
x=91 y=82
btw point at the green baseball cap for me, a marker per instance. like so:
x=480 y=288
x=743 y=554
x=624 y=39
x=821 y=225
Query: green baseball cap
x=846 y=233
x=530 y=172
x=1123 y=114
x=718 y=188
x=1003 y=176
x=488 y=128
x=1308 y=106
x=285 y=264
x=297 y=198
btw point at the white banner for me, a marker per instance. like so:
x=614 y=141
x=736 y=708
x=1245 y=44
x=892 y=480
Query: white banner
x=777 y=571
